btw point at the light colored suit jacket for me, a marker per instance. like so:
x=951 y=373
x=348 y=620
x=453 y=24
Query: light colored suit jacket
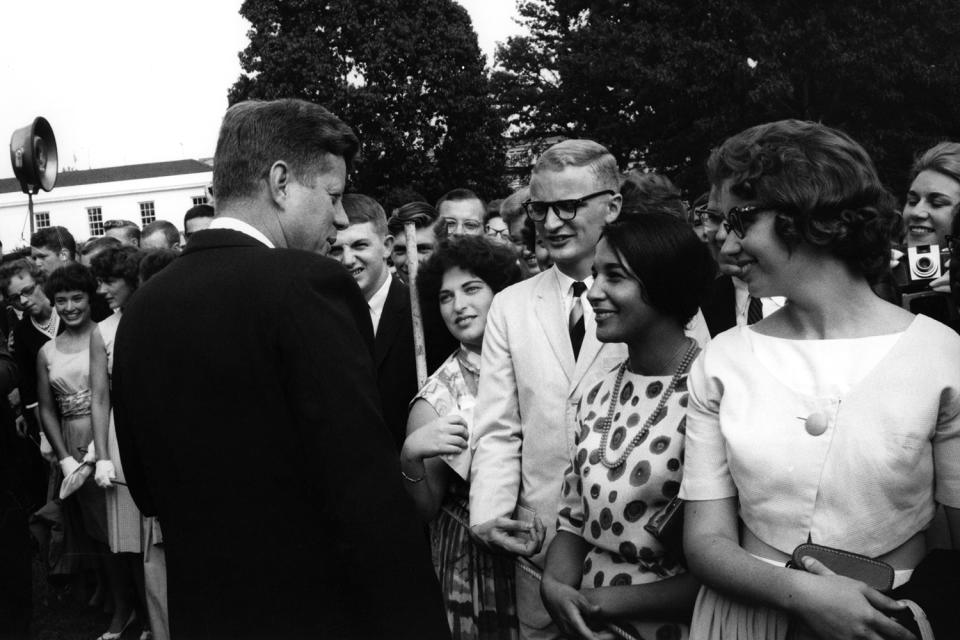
x=530 y=386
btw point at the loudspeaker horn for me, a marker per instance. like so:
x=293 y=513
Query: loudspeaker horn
x=33 y=153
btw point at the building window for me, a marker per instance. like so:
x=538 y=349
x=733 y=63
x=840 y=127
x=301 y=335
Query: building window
x=199 y=200
x=41 y=219
x=95 y=218
x=147 y=214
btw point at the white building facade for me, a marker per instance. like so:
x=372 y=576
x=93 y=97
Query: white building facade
x=82 y=201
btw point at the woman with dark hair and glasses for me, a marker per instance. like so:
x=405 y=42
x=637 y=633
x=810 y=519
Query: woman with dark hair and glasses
x=650 y=274
x=834 y=420
x=459 y=280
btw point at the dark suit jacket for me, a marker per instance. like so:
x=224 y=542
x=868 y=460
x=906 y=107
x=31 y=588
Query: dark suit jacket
x=395 y=360
x=248 y=421
x=720 y=308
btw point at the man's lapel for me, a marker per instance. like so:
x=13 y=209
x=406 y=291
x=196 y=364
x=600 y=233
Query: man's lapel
x=549 y=312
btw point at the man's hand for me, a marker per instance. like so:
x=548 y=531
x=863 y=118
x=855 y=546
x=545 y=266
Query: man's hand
x=521 y=538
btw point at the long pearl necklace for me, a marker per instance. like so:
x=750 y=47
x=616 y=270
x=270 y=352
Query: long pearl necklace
x=604 y=424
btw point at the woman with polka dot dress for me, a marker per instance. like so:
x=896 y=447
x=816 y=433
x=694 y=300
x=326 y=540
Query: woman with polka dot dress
x=651 y=273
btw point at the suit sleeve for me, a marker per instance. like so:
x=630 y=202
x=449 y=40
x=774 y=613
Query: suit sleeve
x=129 y=449
x=354 y=469
x=27 y=366
x=495 y=470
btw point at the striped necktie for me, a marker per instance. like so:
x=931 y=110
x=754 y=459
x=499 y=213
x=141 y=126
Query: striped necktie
x=575 y=324
x=754 y=311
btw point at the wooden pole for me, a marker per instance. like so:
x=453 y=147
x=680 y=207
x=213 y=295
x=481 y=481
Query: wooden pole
x=419 y=344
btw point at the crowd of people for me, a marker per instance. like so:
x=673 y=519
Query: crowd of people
x=314 y=418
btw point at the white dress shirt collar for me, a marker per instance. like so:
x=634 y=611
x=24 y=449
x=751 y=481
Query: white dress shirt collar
x=235 y=224
x=565 y=283
x=377 y=300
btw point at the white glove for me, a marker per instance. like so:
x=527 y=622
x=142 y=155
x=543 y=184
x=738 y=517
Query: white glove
x=45 y=449
x=105 y=473
x=68 y=465
x=91 y=455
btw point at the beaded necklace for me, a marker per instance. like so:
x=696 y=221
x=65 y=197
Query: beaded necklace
x=605 y=423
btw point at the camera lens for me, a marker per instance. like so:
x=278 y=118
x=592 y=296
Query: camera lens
x=923 y=267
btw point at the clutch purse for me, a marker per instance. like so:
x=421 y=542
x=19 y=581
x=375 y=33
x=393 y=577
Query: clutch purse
x=875 y=573
x=666 y=526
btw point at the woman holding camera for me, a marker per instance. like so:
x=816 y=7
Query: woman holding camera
x=651 y=272
x=827 y=421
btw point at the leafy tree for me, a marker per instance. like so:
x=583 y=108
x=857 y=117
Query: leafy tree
x=407 y=75
x=660 y=82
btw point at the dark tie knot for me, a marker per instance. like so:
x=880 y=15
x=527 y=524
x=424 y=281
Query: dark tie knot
x=578 y=289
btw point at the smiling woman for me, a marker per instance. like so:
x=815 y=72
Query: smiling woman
x=650 y=274
x=826 y=419
x=460 y=278
x=934 y=195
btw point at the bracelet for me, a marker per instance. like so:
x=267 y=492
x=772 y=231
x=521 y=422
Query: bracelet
x=412 y=480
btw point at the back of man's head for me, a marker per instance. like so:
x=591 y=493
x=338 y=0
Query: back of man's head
x=582 y=153
x=651 y=193
x=160 y=234
x=360 y=209
x=56 y=239
x=126 y=231
x=255 y=134
x=421 y=214
x=93 y=246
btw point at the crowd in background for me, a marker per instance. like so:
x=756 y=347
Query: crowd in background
x=597 y=349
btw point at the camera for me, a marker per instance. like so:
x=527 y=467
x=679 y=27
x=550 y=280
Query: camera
x=919 y=266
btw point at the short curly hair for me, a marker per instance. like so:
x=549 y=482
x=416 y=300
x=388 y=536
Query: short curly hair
x=118 y=262
x=495 y=264
x=821 y=183
x=72 y=277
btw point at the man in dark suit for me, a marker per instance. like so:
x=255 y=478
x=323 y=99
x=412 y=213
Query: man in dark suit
x=363 y=248
x=258 y=442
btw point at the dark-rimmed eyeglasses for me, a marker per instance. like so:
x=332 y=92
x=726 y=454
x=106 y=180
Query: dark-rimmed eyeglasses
x=711 y=219
x=733 y=222
x=537 y=210
x=503 y=234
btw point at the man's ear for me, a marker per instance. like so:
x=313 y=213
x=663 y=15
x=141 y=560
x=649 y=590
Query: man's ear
x=278 y=179
x=613 y=209
x=63 y=255
x=388 y=246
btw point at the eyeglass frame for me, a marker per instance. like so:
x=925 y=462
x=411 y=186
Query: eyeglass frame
x=452 y=224
x=711 y=219
x=733 y=221
x=490 y=232
x=573 y=203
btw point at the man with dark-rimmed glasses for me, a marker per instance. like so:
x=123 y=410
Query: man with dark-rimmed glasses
x=540 y=353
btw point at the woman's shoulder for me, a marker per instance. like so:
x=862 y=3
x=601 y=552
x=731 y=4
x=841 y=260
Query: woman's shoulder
x=928 y=336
